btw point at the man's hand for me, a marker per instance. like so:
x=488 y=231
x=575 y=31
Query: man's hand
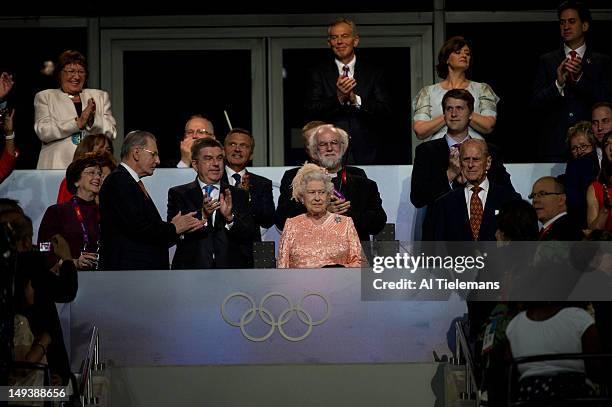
x=338 y=205
x=209 y=205
x=344 y=89
x=225 y=205
x=574 y=67
x=186 y=223
x=186 y=150
x=6 y=84
x=562 y=73
x=86 y=261
x=454 y=165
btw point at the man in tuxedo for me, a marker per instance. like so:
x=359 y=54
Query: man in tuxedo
x=568 y=82
x=350 y=93
x=134 y=236
x=226 y=240
x=239 y=145
x=549 y=201
x=468 y=213
x=354 y=194
x=197 y=127
x=437 y=169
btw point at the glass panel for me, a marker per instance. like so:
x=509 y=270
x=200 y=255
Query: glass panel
x=395 y=62
x=164 y=88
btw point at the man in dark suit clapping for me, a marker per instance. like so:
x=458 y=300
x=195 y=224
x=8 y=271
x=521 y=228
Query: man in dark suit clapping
x=134 y=236
x=226 y=240
x=350 y=93
x=239 y=145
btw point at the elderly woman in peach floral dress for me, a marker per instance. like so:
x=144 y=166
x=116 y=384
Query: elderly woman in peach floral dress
x=317 y=238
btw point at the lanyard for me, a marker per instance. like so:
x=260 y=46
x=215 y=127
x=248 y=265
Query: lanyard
x=79 y=215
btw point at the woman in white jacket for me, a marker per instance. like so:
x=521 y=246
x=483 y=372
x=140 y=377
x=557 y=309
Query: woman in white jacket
x=64 y=116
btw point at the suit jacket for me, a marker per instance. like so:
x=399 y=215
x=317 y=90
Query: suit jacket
x=366 y=209
x=363 y=124
x=579 y=173
x=429 y=181
x=134 y=236
x=557 y=113
x=563 y=229
x=451 y=219
x=232 y=248
x=55 y=125
x=261 y=201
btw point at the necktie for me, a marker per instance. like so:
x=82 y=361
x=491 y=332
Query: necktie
x=572 y=55
x=209 y=189
x=144 y=191
x=544 y=231
x=475 y=212
x=237 y=177
x=346 y=71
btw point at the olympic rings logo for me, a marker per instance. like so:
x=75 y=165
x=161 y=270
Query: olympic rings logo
x=266 y=316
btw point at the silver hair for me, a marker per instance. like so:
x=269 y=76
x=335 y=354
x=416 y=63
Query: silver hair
x=313 y=143
x=136 y=138
x=314 y=176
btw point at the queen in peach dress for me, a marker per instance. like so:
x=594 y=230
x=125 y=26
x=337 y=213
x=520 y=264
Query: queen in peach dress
x=317 y=238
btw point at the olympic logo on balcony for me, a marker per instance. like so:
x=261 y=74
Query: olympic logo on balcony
x=266 y=315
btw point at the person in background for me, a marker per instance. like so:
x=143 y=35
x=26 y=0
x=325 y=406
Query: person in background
x=598 y=196
x=64 y=116
x=454 y=59
x=239 y=145
x=569 y=81
x=9 y=153
x=94 y=143
x=581 y=169
x=196 y=127
x=601 y=121
x=350 y=92
x=317 y=238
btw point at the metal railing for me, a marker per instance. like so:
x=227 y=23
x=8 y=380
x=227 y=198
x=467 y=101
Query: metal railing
x=90 y=364
x=463 y=353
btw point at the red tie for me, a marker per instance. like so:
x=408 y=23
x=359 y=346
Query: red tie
x=144 y=191
x=544 y=231
x=572 y=55
x=475 y=212
x=346 y=71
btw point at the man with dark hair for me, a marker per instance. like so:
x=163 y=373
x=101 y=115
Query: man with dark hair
x=226 y=241
x=437 y=168
x=549 y=201
x=568 y=82
x=134 y=236
x=354 y=195
x=601 y=123
x=239 y=146
x=349 y=93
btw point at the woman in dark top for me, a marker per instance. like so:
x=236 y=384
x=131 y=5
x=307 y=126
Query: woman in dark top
x=77 y=220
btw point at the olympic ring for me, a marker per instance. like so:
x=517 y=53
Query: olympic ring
x=266 y=316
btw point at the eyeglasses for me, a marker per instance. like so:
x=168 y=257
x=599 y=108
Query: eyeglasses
x=72 y=72
x=92 y=173
x=581 y=147
x=155 y=154
x=324 y=145
x=542 y=194
x=198 y=132
x=337 y=37
x=233 y=144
